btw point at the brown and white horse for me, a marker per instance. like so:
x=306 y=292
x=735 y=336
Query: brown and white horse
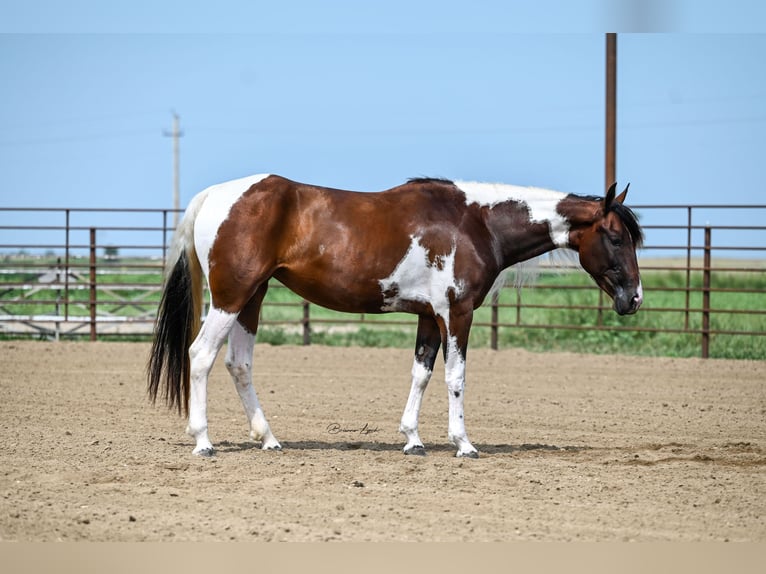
x=430 y=247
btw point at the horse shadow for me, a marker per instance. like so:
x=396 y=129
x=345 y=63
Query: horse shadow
x=372 y=446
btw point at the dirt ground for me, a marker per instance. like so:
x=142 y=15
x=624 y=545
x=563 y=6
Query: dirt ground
x=573 y=447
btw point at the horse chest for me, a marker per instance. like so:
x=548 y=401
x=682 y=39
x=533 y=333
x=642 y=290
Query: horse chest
x=421 y=277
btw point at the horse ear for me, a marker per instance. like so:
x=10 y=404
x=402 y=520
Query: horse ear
x=609 y=197
x=621 y=198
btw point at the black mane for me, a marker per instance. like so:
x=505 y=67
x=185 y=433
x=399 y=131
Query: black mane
x=630 y=220
x=430 y=180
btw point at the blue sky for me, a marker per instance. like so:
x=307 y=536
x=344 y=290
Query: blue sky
x=364 y=95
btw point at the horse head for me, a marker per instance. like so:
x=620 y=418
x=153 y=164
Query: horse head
x=607 y=251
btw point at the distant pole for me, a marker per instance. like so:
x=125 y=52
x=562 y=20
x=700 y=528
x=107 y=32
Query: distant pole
x=611 y=109
x=176 y=134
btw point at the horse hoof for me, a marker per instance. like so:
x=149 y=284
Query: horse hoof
x=470 y=454
x=206 y=452
x=418 y=450
x=277 y=448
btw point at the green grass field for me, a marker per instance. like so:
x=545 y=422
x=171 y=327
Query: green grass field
x=664 y=292
x=661 y=323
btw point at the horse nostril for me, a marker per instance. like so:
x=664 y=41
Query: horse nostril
x=636 y=301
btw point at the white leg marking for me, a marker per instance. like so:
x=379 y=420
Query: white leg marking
x=202 y=354
x=239 y=362
x=409 y=424
x=455 y=379
x=418 y=277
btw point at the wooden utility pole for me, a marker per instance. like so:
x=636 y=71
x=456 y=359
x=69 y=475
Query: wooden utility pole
x=176 y=134
x=611 y=132
x=611 y=109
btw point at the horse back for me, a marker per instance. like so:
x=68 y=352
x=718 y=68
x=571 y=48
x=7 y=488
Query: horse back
x=331 y=246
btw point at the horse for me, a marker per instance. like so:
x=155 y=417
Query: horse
x=430 y=247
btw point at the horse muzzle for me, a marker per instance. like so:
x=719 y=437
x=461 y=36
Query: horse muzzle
x=628 y=302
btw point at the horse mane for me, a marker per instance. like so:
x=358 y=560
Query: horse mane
x=431 y=180
x=629 y=220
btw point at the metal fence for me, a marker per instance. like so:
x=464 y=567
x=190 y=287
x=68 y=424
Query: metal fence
x=96 y=273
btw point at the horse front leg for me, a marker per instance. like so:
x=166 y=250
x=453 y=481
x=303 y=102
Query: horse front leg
x=455 y=348
x=202 y=354
x=426 y=347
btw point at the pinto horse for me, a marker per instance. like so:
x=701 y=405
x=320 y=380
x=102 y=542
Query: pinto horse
x=430 y=247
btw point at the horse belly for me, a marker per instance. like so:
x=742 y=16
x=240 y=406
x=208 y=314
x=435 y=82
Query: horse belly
x=365 y=284
x=338 y=293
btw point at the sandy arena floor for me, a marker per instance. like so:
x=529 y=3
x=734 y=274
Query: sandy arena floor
x=573 y=447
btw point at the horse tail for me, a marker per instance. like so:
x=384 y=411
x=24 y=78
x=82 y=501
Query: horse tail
x=178 y=317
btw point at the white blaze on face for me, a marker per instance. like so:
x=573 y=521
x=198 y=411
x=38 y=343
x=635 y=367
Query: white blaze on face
x=215 y=210
x=541 y=204
x=416 y=278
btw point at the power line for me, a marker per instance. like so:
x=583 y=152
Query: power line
x=74 y=138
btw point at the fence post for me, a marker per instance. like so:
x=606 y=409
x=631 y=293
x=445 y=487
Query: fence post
x=706 y=297
x=92 y=303
x=494 y=320
x=57 y=325
x=688 y=264
x=306 y=324
x=600 y=312
x=164 y=239
x=66 y=269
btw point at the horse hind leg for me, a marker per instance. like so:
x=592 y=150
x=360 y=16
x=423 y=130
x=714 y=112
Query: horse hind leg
x=202 y=354
x=239 y=358
x=239 y=363
x=426 y=348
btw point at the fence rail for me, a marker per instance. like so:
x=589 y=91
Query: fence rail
x=88 y=272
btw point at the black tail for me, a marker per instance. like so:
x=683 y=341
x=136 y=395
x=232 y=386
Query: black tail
x=168 y=370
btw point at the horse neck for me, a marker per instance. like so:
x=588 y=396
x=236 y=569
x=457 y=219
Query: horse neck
x=519 y=239
x=516 y=238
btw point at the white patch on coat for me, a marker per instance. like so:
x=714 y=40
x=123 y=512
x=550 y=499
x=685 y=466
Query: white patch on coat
x=218 y=202
x=416 y=278
x=541 y=204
